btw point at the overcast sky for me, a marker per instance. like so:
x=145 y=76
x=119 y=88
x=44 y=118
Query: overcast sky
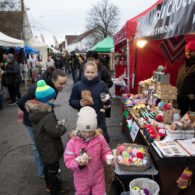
x=62 y=17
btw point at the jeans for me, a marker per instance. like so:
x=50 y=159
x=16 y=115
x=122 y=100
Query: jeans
x=74 y=75
x=37 y=159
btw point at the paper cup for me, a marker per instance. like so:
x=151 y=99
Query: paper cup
x=109 y=159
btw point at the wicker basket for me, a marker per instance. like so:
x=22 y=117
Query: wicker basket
x=135 y=167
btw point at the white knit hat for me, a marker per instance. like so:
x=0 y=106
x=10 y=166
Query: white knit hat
x=87 y=119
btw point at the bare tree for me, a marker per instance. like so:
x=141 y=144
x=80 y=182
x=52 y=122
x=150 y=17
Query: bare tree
x=103 y=18
x=9 y=5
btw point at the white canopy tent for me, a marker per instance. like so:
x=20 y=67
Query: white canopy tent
x=35 y=43
x=54 y=50
x=8 y=41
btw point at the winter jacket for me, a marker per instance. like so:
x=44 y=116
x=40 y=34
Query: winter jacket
x=46 y=131
x=105 y=75
x=74 y=62
x=30 y=96
x=96 y=86
x=59 y=64
x=11 y=75
x=185 y=86
x=186 y=77
x=91 y=177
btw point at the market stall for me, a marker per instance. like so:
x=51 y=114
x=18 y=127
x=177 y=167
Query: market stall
x=166 y=37
x=104 y=46
x=53 y=50
x=151 y=117
x=8 y=41
x=35 y=43
x=125 y=58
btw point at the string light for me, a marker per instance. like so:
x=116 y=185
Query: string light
x=141 y=43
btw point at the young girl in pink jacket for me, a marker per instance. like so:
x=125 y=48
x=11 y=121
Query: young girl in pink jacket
x=85 y=153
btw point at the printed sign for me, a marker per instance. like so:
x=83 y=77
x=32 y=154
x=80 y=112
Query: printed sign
x=168 y=19
x=134 y=131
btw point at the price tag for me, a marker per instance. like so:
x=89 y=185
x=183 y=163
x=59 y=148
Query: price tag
x=129 y=124
x=134 y=131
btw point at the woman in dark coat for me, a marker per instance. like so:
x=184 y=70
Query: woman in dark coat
x=186 y=80
x=90 y=81
x=12 y=78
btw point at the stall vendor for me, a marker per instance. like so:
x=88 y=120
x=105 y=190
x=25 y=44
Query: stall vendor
x=186 y=80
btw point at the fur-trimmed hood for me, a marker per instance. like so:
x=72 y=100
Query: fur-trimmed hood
x=73 y=133
x=37 y=110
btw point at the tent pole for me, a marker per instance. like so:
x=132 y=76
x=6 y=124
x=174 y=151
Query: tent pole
x=128 y=65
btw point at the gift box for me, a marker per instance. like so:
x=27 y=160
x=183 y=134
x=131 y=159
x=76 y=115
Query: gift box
x=163 y=86
x=161 y=77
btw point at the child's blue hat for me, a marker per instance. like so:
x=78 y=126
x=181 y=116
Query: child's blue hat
x=44 y=92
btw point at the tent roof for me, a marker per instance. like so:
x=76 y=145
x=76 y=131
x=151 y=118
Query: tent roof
x=104 y=46
x=54 y=50
x=9 y=41
x=28 y=49
x=34 y=42
x=130 y=26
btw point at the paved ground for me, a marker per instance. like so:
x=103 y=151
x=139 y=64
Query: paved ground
x=18 y=174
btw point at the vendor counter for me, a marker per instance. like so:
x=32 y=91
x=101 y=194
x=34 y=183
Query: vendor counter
x=169 y=169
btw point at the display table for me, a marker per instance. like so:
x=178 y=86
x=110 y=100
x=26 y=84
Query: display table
x=169 y=169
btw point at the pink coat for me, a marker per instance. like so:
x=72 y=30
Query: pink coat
x=90 y=178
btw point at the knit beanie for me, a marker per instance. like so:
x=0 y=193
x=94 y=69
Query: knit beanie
x=10 y=56
x=87 y=119
x=44 y=92
x=190 y=46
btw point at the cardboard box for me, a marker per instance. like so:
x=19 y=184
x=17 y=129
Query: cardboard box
x=161 y=77
x=168 y=116
x=173 y=89
x=165 y=96
x=163 y=86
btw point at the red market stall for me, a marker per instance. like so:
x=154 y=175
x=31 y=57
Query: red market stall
x=125 y=52
x=167 y=33
x=165 y=49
